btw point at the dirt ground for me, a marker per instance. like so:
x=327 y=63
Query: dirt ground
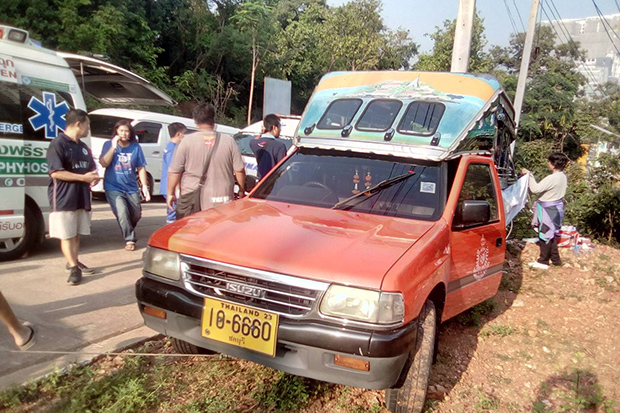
x=549 y=341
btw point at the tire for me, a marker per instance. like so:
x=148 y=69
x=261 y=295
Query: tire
x=14 y=248
x=183 y=347
x=409 y=394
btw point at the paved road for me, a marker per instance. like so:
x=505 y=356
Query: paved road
x=72 y=317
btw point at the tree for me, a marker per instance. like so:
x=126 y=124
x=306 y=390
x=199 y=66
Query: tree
x=349 y=37
x=440 y=59
x=255 y=18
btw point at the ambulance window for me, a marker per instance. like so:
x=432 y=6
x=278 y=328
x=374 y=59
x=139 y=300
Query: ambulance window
x=339 y=113
x=379 y=115
x=10 y=112
x=147 y=132
x=421 y=118
x=68 y=98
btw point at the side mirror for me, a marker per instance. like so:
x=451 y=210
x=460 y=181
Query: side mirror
x=250 y=182
x=471 y=213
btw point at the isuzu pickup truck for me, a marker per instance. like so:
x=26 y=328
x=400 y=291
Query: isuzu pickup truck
x=386 y=220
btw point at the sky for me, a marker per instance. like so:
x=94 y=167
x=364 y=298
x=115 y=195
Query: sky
x=421 y=16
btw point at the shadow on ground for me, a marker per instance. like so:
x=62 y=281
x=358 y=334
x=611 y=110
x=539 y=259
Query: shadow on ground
x=458 y=337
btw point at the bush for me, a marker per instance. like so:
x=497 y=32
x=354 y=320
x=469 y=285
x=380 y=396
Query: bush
x=592 y=197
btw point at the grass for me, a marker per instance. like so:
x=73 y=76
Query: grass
x=286 y=393
x=161 y=384
x=134 y=387
x=486 y=403
x=501 y=331
x=475 y=315
x=509 y=282
x=573 y=390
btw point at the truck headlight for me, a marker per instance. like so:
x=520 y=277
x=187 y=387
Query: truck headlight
x=363 y=305
x=164 y=263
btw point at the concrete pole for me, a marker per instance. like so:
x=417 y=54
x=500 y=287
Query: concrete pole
x=462 y=36
x=525 y=60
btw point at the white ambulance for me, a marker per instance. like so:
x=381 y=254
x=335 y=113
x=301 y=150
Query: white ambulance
x=37 y=88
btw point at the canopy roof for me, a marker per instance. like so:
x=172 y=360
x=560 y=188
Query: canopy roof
x=416 y=114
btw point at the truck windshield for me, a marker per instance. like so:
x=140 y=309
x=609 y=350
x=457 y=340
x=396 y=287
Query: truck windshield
x=373 y=184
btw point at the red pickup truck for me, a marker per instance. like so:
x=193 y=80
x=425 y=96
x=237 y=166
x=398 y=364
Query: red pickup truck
x=385 y=220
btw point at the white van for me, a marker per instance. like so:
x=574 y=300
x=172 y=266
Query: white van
x=37 y=87
x=153 y=136
x=289 y=126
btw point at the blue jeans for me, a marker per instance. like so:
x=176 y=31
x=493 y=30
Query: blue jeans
x=171 y=214
x=127 y=210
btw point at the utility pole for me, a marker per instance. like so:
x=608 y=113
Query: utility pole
x=525 y=60
x=462 y=36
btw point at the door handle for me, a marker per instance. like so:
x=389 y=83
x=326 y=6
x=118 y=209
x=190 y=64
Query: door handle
x=156 y=153
x=499 y=241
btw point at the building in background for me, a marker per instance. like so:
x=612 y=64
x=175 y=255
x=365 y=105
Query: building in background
x=602 y=63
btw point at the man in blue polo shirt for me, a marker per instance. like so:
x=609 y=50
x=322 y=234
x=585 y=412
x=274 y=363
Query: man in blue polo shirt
x=176 y=131
x=73 y=170
x=268 y=149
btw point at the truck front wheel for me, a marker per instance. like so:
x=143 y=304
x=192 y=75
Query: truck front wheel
x=409 y=394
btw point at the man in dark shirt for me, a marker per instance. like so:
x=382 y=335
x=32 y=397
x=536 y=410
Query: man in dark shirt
x=73 y=170
x=268 y=149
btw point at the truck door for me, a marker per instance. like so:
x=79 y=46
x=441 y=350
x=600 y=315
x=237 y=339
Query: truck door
x=477 y=245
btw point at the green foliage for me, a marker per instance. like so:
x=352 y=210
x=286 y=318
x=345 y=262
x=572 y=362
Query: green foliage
x=324 y=39
x=501 y=331
x=440 y=59
x=475 y=315
x=576 y=390
x=595 y=210
x=287 y=393
x=487 y=403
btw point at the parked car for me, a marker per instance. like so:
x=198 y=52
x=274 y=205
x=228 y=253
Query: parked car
x=245 y=135
x=385 y=220
x=153 y=136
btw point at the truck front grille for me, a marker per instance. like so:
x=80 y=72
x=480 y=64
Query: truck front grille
x=272 y=295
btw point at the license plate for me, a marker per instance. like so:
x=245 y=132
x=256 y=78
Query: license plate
x=240 y=326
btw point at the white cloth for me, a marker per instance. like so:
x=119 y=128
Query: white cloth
x=515 y=197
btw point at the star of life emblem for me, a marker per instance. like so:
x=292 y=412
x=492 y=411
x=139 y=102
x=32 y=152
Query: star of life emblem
x=49 y=114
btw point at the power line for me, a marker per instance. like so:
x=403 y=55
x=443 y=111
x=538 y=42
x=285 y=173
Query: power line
x=571 y=44
x=604 y=20
x=519 y=14
x=512 y=22
x=618 y=6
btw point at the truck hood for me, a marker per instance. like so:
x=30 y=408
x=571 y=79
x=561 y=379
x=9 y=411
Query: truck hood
x=308 y=242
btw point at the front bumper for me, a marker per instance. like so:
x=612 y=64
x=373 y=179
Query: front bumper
x=304 y=348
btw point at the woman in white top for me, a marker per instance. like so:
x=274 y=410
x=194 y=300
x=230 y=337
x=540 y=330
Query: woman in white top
x=549 y=209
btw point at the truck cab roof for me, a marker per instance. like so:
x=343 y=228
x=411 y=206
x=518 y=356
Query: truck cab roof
x=423 y=115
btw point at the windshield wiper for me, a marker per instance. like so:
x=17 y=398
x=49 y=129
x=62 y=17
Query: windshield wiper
x=376 y=188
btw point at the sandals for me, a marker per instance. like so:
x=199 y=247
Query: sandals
x=32 y=339
x=130 y=246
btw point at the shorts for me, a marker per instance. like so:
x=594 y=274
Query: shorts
x=68 y=224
